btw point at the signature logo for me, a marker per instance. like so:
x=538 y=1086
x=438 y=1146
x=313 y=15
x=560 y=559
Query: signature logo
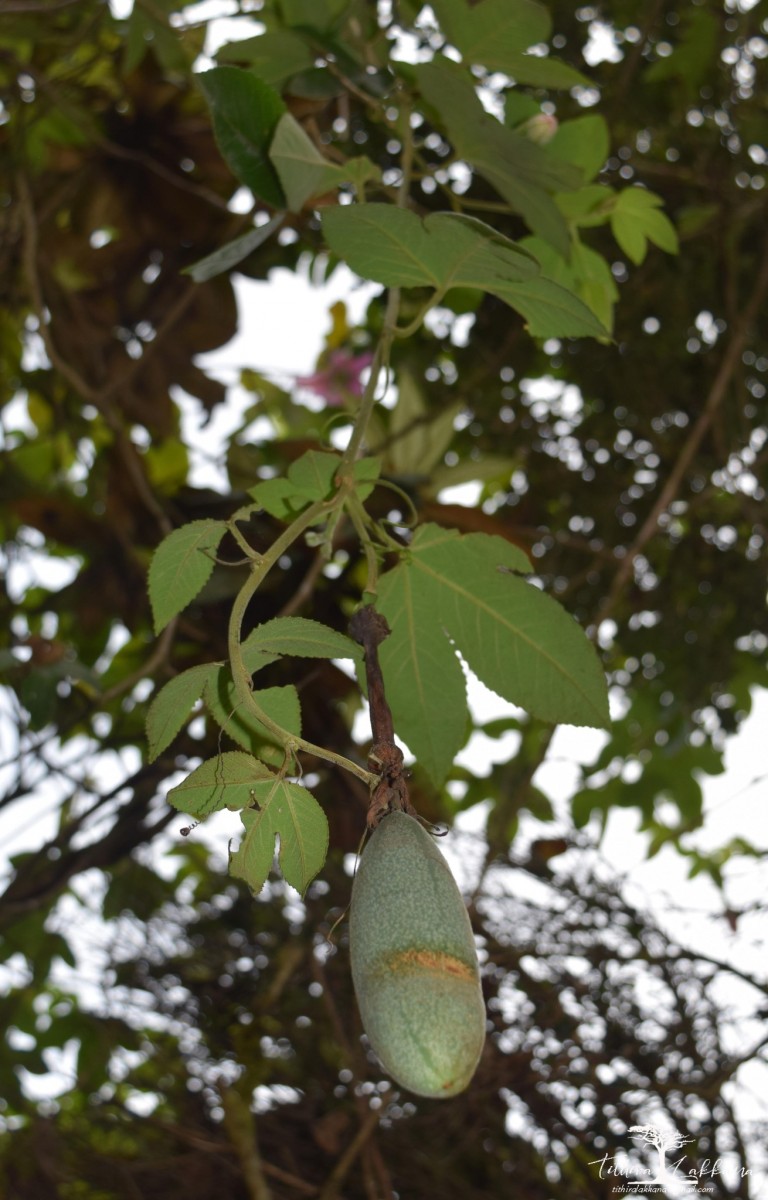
x=668 y=1176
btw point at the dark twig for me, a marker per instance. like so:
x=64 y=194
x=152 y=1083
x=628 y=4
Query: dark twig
x=717 y=393
x=345 y=1162
x=370 y=628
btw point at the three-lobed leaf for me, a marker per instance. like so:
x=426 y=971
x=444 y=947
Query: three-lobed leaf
x=181 y=565
x=397 y=248
x=636 y=220
x=288 y=813
x=312 y=477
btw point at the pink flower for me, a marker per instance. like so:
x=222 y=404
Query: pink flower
x=339 y=377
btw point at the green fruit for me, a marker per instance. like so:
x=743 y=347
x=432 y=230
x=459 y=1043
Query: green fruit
x=414 y=962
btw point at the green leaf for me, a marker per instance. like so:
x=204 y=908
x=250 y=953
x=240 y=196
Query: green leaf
x=595 y=282
x=312 y=477
x=312 y=14
x=275 y=496
x=519 y=107
x=588 y=206
x=232 y=253
x=274 y=56
x=636 y=220
x=301 y=637
x=487 y=467
x=587 y=274
x=302 y=170
x=494 y=30
x=545 y=71
x=551 y=310
x=181 y=565
x=421 y=669
x=395 y=247
x=521 y=171
x=146 y=32
x=288 y=812
x=245 y=111
x=692 y=58
x=584 y=141
x=495 y=33
x=418 y=442
x=135 y=888
x=170 y=707
x=518 y=640
x=227 y=781
x=281 y=705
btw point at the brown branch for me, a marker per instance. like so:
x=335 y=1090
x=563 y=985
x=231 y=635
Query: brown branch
x=306 y=587
x=373 y=1164
x=115 y=150
x=370 y=628
x=156 y=659
x=35 y=6
x=717 y=393
x=635 y=56
x=341 y=1170
x=240 y=1126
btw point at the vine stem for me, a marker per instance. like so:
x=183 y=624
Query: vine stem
x=389 y=329
x=240 y=675
x=345 y=496
x=368 y=399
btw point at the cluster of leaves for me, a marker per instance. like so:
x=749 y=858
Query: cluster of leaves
x=517 y=639
x=627 y=471
x=463 y=587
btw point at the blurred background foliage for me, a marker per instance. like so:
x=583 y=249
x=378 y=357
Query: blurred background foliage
x=211 y=1040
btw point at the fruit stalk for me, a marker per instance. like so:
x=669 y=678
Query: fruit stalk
x=385 y=759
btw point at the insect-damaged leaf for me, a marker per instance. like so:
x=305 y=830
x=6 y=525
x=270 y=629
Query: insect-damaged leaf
x=518 y=640
x=289 y=812
x=226 y=781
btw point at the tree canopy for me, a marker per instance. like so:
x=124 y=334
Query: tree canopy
x=569 y=259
